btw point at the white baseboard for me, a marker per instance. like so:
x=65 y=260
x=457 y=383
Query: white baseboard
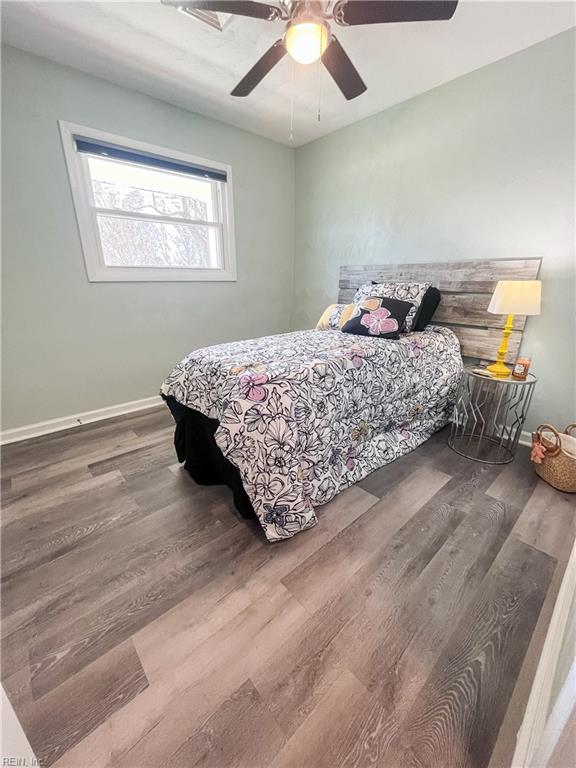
x=76 y=420
x=525 y=438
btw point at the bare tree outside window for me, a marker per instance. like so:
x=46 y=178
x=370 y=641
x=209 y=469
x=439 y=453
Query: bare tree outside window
x=129 y=202
x=141 y=200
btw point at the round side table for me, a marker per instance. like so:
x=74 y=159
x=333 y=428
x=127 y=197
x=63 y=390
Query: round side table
x=489 y=415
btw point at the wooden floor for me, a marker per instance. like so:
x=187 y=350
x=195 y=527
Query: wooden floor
x=146 y=624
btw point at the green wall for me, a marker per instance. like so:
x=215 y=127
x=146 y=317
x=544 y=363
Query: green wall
x=482 y=167
x=69 y=345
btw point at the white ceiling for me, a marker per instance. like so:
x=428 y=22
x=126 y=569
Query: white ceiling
x=158 y=51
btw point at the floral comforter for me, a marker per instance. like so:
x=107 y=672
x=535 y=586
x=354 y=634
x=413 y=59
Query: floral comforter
x=304 y=415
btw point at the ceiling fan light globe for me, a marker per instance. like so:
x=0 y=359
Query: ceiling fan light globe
x=306 y=41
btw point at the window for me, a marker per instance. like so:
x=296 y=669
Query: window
x=145 y=213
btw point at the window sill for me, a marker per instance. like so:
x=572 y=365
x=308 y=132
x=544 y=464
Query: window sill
x=158 y=274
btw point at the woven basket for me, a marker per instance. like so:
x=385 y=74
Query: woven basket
x=558 y=467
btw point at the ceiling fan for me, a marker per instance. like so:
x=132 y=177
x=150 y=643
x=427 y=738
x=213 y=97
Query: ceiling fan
x=308 y=36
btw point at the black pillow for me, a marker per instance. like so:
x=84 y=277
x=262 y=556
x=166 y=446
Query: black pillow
x=425 y=311
x=377 y=317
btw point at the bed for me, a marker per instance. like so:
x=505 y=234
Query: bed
x=288 y=421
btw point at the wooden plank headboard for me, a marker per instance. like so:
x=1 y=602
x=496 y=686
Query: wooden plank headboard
x=466 y=288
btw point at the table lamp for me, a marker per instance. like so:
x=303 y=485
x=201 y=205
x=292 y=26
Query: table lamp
x=512 y=297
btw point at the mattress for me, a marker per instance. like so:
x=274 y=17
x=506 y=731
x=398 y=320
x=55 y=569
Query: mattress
x=304 y=415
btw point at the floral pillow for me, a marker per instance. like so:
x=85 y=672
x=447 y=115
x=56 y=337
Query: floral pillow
x=411 y=292
x=378 y=317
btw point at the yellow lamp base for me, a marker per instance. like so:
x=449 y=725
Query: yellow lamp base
x=499 y=370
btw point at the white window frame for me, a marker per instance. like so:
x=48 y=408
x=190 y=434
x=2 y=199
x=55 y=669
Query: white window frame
x=80 y=184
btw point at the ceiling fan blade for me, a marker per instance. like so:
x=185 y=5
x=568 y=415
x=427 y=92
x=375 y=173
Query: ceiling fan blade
x=236 y=7
x=343 y=72
x=260 y=69
x=352 y=12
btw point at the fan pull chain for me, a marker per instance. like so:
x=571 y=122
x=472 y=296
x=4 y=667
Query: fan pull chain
x=291 y=137
x=319 y=86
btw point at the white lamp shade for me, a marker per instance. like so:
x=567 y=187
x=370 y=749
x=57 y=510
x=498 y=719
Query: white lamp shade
x=516 y=297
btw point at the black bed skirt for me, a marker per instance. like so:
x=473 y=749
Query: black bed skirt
x=196 y=448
